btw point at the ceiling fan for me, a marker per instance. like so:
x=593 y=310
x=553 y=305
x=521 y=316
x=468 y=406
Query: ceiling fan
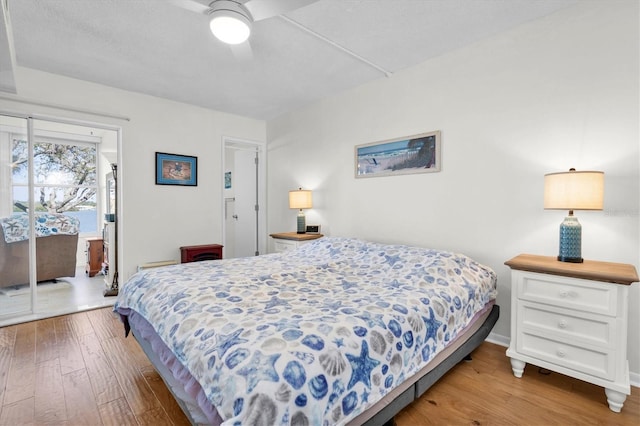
x=231 y=23
x=231 y=20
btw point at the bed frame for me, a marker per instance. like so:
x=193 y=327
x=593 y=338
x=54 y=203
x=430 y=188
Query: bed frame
x=444 y=362
x=381 y=413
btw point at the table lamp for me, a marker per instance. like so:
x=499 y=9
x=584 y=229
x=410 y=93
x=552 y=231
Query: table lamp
x=571 y=191
x=300 y=199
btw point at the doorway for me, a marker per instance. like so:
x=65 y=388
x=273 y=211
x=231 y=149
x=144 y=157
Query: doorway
x=52 y=205
x=243 y=198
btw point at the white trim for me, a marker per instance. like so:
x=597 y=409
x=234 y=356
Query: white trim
x=51 y=135
x=33 y=278
x=498 y=339
x=7 y=51
x=12 y=98
x=58 y=119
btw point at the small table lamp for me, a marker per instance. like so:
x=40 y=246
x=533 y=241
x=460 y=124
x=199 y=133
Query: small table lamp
x=300 y=199
x=571 y=191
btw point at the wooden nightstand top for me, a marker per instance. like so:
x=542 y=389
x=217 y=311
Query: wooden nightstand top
x=618 y=273
x=295 y=236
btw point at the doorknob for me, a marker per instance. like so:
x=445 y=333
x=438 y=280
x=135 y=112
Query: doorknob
x=235 y=216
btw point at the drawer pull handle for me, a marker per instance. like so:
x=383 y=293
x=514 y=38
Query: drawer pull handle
x=561 y=353
x=562 y=324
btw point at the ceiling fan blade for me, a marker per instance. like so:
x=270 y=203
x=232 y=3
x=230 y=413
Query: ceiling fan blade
x=242 y=52
x=192 y=6
x=263 y=9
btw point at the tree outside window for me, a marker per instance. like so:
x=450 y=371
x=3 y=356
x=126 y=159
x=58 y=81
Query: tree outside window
x=65 y=179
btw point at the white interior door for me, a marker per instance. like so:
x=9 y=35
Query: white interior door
x=244 y=216
x=245 y=212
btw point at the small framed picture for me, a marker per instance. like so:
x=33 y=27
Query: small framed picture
x=400 y=156
x=227 y=180
x=174 y=169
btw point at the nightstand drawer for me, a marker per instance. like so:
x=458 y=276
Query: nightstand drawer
x=566 y=325
x=284 y=245
x=286 y=241
x=566 y=292
x=584 y=360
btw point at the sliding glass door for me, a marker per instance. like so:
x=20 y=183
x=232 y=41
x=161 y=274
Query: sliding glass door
x=52 y=205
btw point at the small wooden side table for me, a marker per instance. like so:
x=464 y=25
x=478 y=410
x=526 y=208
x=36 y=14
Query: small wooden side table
x=572 y=318
x=94 y=256
x=284 y=241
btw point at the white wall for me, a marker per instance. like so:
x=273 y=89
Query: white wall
x=156 y=220
x=553 y=94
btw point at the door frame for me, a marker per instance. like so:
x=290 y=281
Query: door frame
x=261 y=149
x=34 y=312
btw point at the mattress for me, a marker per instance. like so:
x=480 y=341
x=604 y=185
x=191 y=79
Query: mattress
x=318 y=335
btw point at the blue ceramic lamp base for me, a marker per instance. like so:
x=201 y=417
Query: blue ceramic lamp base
x=570 y=240
x=302 y=227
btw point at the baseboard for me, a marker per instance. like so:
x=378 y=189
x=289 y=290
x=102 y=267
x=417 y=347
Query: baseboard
x=634 y=378
x=498 y=339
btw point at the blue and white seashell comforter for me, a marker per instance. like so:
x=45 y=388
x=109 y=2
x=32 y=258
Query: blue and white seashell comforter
x=311 y=336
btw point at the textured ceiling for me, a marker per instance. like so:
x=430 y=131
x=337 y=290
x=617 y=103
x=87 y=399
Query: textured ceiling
x=157 y=48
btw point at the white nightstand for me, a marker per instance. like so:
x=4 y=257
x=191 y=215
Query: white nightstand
x=571 y=318
x=290 y=240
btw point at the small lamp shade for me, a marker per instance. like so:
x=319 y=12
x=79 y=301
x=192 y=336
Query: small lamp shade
x=300 y=199
x=571 y=191
x=574 y=190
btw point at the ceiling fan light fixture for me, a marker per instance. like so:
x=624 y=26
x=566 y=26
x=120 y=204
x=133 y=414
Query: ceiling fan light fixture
x=229 y=22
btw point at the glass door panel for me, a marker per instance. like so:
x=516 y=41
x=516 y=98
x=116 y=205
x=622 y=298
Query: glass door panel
x=16 y=295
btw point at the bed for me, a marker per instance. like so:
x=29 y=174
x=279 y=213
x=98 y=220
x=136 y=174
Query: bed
x=339 y=331
x=56 y=247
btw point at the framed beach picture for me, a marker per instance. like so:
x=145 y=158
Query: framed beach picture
x=401 y=156
x=173 y=169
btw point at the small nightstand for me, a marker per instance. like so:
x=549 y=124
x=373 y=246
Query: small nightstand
x=290 y=240
x=572 y=318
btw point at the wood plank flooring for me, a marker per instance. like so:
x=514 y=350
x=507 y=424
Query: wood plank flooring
x=79 y=369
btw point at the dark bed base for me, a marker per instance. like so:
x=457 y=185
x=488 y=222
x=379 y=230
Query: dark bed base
x=385 y=416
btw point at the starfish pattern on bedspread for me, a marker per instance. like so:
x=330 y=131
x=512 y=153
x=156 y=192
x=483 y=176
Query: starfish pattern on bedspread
x=310 y=336
x=260 y=367
x=361 y=367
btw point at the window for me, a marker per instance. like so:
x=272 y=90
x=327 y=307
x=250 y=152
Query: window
x=65 y=178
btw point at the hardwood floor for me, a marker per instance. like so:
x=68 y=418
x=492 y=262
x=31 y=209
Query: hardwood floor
x=79 y=369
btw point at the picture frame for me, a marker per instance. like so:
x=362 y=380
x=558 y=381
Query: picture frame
x=419 y=153
x=227 y=180
x=175 y=169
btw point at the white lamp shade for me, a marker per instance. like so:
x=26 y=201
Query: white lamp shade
x=230 y=23
x=574 y=190
x=300 y=199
